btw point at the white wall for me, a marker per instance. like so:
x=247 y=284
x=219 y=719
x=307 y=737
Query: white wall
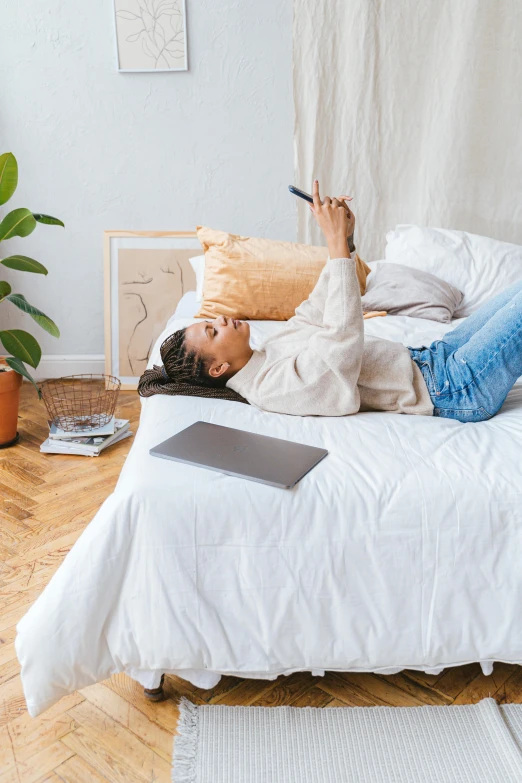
x=104 y=150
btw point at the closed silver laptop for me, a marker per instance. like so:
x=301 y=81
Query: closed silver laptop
x=281 y=463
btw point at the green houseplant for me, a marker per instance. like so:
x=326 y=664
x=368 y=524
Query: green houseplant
x=22 y=346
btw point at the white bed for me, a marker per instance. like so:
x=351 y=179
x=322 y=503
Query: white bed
x=402 y=549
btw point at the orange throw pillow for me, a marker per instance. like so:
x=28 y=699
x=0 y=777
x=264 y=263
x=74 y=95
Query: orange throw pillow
x=259 y=279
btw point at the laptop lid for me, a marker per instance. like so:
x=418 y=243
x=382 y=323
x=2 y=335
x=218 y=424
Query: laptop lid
x=280 y=463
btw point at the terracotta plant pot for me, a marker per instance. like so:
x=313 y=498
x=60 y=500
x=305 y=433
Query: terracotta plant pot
x=10 y=383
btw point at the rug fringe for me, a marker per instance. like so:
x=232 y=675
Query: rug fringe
x=185 y=743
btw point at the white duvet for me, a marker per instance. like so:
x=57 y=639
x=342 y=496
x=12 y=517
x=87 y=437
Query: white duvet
x=402 y=549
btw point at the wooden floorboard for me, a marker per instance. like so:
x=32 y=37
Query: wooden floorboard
x=109 y=732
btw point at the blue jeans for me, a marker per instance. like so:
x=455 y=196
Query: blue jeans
x=470 y=372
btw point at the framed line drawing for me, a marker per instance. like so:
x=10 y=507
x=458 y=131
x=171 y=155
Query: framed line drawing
x=145 y=275
x=151 y=35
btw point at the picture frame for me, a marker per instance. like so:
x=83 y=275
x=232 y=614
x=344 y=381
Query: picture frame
x=150 y=36
x=145 y=275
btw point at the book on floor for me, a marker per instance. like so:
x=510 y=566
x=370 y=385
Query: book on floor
x=87 y=446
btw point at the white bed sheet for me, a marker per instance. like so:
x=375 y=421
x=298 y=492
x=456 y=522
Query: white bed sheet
x=402 y=549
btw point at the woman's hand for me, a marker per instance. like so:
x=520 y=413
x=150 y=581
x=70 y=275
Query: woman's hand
x=335 y=221
x=351 y=216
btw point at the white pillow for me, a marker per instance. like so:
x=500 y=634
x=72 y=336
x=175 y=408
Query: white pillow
x=198 y=265
x=479 y=266
x=187 y=306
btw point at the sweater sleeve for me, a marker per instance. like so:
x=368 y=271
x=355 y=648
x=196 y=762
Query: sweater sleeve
x=311 y=310
x=320 y=379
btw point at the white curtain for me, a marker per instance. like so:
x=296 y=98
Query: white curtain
x=415 y=109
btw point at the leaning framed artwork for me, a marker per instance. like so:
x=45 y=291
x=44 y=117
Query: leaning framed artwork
x=145 y=275
x=151 y=35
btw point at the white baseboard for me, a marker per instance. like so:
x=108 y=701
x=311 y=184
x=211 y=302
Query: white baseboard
x=57 y=365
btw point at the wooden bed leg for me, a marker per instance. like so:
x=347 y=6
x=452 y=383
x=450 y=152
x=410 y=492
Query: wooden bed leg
x=155 y=694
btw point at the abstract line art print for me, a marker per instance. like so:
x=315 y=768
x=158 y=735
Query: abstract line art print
x=146 y=274
x=150 y=285
x=151 y=35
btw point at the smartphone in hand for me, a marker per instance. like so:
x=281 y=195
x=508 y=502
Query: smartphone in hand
x=300 y=193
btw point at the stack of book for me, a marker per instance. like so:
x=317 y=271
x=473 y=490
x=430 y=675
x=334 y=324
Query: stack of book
x=87 y=442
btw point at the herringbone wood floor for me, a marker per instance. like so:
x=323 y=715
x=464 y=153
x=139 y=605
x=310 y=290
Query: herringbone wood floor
x=108 y=732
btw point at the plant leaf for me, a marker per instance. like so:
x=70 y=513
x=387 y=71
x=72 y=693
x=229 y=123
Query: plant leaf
x=18 y=223
x=47 y=219
x=43 y=320
x=19 y=367
x=22 y=345
x=5 y=289
x=8 y=176
x=24 y=264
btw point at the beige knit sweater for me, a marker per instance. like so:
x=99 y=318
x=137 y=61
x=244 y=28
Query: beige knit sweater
x=322 y=364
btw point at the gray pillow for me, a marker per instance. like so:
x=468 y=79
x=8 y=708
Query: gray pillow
x=402 y=290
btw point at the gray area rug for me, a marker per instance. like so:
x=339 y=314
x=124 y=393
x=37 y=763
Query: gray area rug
x=479 y=743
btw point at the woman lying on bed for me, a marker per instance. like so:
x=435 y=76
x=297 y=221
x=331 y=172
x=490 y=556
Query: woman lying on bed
x=322 y=364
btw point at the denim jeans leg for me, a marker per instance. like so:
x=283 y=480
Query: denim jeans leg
x=492 y=357
x=464 y=331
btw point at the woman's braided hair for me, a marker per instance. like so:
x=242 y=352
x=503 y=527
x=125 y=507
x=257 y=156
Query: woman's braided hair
x=184 y=372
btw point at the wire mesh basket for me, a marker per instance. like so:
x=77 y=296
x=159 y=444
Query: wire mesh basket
x=76 y=403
